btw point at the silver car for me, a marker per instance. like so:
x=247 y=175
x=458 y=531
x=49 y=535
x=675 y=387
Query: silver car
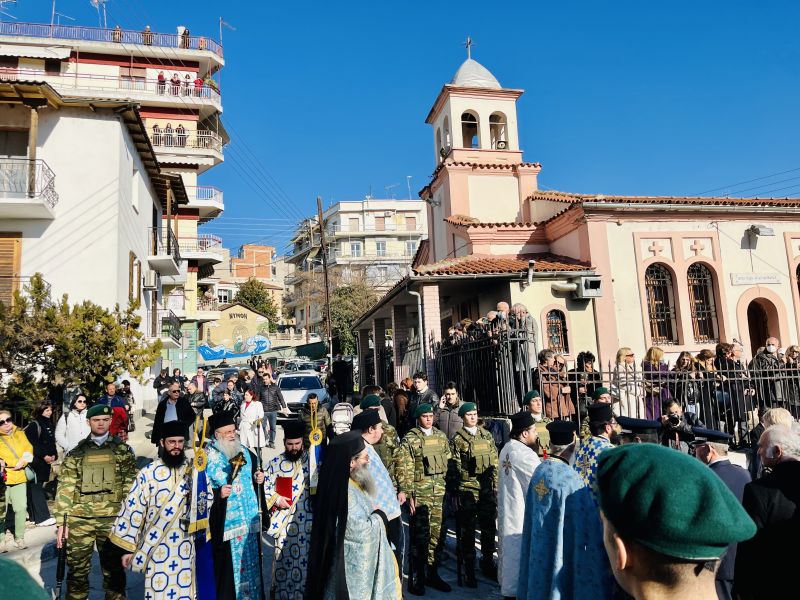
x=296 y=387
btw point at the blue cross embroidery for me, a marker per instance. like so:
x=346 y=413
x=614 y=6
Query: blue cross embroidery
x=174 y=537
x=173 y=565
x=302 y=539
x=274 y=525
x=122 y=527
x=131 y=502
x=295 y=487
x=169 y=511
x=172 y=594
x=183 y=487
x=303 y=562
x=148 y=596
x=153 y=535
x=139 y=560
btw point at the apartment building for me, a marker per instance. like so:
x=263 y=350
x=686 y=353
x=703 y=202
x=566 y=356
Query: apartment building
x=139 y=112
x=373 y=239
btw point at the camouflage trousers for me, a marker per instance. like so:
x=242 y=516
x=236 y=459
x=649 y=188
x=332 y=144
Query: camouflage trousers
x=425 y=526
x=476 y=508
x=84 y=533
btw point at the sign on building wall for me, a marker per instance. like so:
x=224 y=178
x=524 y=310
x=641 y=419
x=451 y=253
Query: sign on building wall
x=239 y=333
x=754 y=278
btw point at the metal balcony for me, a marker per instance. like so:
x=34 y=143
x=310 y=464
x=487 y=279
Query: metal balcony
x=116 y=36
x=204 y=248
x=163 y=254
x=188 y=140
x=162 y=324
x=27 y=189
x=210 y=201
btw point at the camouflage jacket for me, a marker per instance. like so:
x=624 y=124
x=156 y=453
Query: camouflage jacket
x=475 y=462
x=421 y=462
x=94 y=480
x=386 y=448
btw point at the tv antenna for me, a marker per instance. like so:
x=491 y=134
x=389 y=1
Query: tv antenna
x=102 y=18
x=389 y=192
x=4 y=10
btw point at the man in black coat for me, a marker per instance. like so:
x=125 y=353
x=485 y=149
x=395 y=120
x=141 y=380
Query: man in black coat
x=711 y=447
x=766 y=565
x=174 y=406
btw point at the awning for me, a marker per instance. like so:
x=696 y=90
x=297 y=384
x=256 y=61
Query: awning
x=35 y=51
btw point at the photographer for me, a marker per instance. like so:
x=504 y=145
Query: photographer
x=676 y=426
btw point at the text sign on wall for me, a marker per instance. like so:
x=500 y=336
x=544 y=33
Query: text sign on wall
x=754 y=278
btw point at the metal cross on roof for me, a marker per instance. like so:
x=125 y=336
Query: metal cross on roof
x=468 y=45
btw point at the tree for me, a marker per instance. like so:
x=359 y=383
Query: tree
x=256 y=296
x=348 y=302
x=44 y=344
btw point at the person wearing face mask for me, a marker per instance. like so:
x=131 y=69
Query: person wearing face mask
x=604 y=435
x=764 y=369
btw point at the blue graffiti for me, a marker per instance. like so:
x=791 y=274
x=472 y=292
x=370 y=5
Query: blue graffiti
x=256 y=344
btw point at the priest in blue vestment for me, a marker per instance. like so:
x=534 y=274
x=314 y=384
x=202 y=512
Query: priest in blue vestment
x=562 y=536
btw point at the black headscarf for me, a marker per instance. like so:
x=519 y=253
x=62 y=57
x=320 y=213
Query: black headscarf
x=330 y=517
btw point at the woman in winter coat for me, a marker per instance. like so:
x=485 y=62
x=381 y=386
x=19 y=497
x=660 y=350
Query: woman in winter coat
x=73 y=427
x=627 y=386
x=656 y=382
x=41 y=434
x=251 y=425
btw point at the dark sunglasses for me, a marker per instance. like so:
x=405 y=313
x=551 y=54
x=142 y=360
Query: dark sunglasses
x=80 y=401
x=174 y=391
x=4 y=421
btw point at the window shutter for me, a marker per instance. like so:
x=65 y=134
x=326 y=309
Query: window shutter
x=10 y=244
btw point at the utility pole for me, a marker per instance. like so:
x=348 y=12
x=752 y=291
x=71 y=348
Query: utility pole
x=324 y=252
x=309 y=279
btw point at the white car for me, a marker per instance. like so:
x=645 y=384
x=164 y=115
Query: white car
x=297 y=385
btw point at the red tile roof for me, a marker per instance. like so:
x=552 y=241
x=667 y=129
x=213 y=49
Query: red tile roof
x=478 y=264
x=466 y=221
x=556 y=196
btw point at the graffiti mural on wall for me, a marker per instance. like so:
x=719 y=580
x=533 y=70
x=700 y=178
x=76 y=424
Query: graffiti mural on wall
x=239 y=333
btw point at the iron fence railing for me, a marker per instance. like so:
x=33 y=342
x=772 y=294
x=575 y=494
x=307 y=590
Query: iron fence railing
x=203 y=242
x=117 y=35
x=198 y=140
x=203 y=193
x=163 y=241
x=207 y=304
x=22 y=177
x=162 y=323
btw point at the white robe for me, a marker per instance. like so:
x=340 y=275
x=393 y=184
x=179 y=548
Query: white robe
x=151 y=526
x=517 y=463
x=249 y=432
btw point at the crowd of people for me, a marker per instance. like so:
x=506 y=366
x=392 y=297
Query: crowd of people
x=548 y=502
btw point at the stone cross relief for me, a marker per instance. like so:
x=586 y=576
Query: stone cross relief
x=697 y=247
x=655 y=248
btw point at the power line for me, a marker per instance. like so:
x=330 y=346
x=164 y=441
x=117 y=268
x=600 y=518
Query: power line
x=725 y=187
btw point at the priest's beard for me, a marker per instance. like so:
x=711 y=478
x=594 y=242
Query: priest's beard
x=293 y=455
x=363 y=478
x=173 y=461
x=229 y=449
x=615 y=438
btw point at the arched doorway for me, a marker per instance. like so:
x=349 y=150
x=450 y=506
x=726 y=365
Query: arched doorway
x=762 y=322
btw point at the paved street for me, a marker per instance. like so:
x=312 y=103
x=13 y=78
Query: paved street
x=39 y=559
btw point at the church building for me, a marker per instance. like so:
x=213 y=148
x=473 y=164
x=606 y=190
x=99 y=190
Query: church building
x=596 y=271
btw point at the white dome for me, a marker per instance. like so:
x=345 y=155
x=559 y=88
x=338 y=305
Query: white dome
x=474 y=74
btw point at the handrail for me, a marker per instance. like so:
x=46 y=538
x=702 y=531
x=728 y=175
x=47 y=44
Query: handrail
x=163 y=241
x=31 y=178
x=200 y=139
x=205 y=192
x=117 y=35
x=163 y=322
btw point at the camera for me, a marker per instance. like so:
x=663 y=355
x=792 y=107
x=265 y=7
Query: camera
x=674 y=419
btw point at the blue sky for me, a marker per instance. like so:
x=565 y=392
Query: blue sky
x=621 y=97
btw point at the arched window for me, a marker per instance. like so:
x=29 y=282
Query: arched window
x=446 y=139
x=660 y=305
x=557 y=332
x=439 y=149
x=702 y=304
x=469 y=131
x=497 y=131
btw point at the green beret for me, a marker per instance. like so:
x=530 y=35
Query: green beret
x=99 y=410
x=669 y=502
x=370 y=401
x=599 y=392
x=466 y=407
x=422 y=409
x=531 y=395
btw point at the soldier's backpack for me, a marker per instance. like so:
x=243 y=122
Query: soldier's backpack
x=342 y=417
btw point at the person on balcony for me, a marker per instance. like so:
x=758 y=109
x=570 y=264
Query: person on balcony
x=168 y=135
x=162 y=82
x=180 y=134
x=198 y=86
x=187 y=85
x=116 y=34
x=147 y=36
x=186 y=39
x=175 y=83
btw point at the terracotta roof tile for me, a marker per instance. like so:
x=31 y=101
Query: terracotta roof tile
x=483 y=264
x=465 y=221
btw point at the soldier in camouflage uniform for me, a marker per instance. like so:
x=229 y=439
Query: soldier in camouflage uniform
x=421 y=464
x=533 y=404
x=94 y=480
x=389 y=441
x=473 y=484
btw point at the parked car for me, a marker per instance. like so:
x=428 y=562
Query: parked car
x=223 y=373
x=296 y=387
x=321 y=365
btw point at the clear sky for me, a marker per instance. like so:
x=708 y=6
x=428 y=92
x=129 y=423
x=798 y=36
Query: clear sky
x=622 y=97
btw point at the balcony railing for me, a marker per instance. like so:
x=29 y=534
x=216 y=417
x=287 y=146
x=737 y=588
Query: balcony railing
x=21 y=177
x=205 y=193
x=163 y=242
x=199 y=140
x=208 y=304
x=163 y=324
x=118 y=36
x=203 y=242
x=388 y=228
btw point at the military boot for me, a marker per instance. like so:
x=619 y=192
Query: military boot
x=433 y=580
x=469 y=574
x=489 y=569
x=416 y=575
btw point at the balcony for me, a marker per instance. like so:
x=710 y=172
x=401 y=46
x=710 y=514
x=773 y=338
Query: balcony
x=163 y=253
x=27 y=189
x=201 y=144
x=204 y=248
x=150 y=91
x=113 y=36
x=208 y=200
x=207 y=309
x=162 y=324
x=389 y=228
